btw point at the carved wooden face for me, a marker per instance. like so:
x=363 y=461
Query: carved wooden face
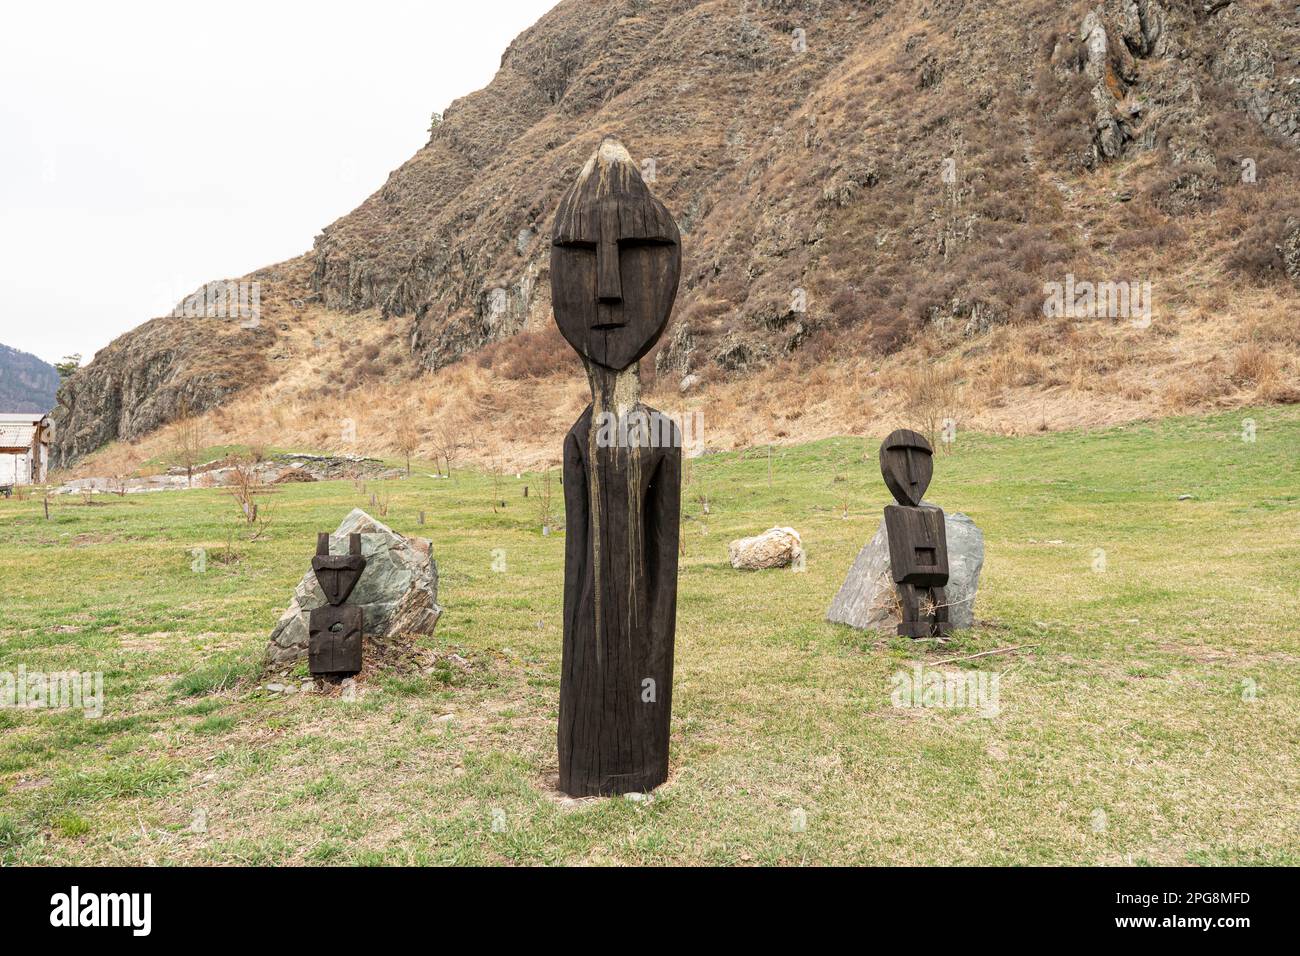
x=338 y=574
x=907 y=464
x=616 y=258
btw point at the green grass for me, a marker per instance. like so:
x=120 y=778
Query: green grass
x=1157 y=719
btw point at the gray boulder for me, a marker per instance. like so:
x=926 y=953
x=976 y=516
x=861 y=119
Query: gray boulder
x=867 y=598
x=398 y=589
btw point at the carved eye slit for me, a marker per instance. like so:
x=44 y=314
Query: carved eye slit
x=627 y=242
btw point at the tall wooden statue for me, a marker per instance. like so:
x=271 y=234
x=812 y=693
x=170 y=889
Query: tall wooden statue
x=615 y=262
x=918 y=544
x=335 y=629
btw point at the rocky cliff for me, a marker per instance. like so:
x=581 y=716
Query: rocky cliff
x=190 y=360
x=845 y=174
x=896 y=162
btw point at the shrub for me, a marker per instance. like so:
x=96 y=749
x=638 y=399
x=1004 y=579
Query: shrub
x=530 y=354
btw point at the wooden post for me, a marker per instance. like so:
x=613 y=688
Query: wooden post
x=615 y=265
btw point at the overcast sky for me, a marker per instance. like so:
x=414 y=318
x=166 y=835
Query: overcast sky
x=148 y=147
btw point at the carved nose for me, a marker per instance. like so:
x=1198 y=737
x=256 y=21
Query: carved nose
x=609 y=288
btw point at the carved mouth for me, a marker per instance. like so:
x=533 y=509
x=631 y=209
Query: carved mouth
x=607 y=326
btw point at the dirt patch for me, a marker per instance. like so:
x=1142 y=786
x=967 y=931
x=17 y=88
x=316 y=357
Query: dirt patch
x=86 y=538
x=388 y=657
x=147 y=643
x=549 y=787
x=293 y=476
x=1201 y=653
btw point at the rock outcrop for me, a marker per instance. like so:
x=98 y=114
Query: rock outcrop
x=1289 y=250
x=398 y=590
x=278 y=469
x=173 y=365
x=143 y=380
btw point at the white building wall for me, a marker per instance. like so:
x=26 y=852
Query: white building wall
x=7 y=470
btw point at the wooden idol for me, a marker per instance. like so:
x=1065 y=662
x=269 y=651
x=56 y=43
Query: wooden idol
x=335 y=629
x=615 y=264
x=918 y=545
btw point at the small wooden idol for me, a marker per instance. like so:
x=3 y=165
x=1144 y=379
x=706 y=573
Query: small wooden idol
x=335 y=629
x=918 y=545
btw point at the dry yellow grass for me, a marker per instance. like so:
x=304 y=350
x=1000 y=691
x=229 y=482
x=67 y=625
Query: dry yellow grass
x=1012 y=380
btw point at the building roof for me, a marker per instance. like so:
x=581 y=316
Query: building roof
x=16 y=435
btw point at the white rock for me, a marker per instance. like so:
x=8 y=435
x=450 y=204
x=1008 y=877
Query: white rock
x=774 y=548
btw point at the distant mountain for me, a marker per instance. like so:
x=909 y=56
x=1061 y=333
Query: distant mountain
x=26 y=383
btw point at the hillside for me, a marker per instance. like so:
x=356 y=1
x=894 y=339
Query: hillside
x=874 y=200
x=27 y=384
